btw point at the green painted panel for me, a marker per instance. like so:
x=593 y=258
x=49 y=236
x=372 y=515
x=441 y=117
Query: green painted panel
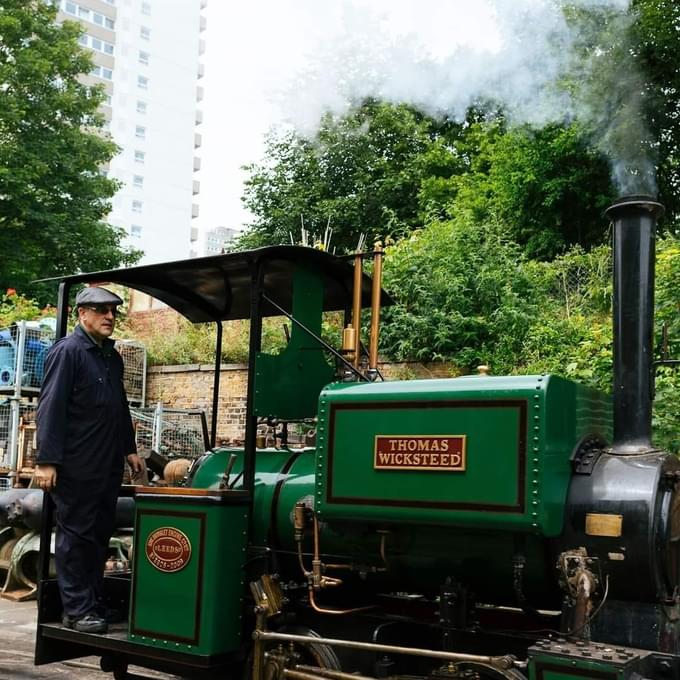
x=181 y=621
x=491 y=474
x=520 y=433
x=195 y=609
x=287 y=385
x=570 y=668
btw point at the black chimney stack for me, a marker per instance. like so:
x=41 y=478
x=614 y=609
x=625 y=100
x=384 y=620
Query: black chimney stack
x=634 y=220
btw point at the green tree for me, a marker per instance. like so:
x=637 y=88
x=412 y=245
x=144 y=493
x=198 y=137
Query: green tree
x=462 y=295
x=656 y=40
x=360 y=174
x=548 y=186
x=53 y=195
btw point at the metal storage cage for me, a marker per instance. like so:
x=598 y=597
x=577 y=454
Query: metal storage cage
x=134 y=374
x=174 y=433
x=23 y=348
x=17 y=438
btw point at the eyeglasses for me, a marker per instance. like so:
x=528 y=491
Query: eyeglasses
x=103 y=309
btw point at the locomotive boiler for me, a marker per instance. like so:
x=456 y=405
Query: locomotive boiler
x=476 y=527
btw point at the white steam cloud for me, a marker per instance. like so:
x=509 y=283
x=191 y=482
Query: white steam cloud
x=443 y=56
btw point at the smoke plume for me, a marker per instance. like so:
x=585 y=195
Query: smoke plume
x=540 y=63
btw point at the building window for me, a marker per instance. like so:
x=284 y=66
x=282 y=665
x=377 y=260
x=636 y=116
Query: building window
x=142 y=82
x=138 y=181
x=86 y=14
x=146 y=8
x=145 y=33
x=136 y=206
x=139 y=156
x=140 y=132
x=143 y=57
x=136 y=231
x=102 y=72
x=141 y=106
x=96 y=44
x=108 y=100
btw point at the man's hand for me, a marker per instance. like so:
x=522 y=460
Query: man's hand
x=138 y=466
x=45 y=477
x=135 y=462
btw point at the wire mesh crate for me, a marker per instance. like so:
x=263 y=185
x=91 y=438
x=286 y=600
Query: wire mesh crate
x=18 y=435
x=23 y=348
x=174 y=433
x=134 y=373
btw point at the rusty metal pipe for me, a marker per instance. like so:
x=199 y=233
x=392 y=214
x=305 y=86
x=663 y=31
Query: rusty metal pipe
x=356 y=307
x=375 y=307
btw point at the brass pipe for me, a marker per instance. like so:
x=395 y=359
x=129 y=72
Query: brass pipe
x=258 y=646
x=299 y=675
x=330 y=673
x=375 y=307
x=356 y=307
x=501 y=662
x=317 y=556
x=305 y=571
x=335 y=612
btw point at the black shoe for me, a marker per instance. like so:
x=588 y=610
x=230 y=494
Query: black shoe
x=88 y=623
x=109 y=615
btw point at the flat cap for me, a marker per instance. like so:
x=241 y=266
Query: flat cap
x=94 y=295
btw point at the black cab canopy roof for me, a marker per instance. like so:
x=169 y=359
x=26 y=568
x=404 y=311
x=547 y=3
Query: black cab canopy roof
x=220 y=287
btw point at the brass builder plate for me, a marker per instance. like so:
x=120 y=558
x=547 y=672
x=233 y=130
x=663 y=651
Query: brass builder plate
x=168 y=549
x=598 y=524
x=443 y=453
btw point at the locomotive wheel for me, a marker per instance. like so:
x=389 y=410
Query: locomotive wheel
x=112 y=664
x=313 y=654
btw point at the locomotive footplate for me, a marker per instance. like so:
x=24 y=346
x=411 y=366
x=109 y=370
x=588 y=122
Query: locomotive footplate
x=558 y=659
x=116 y=651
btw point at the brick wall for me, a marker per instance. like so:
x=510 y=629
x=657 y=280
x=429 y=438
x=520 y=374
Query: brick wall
x=191 y=387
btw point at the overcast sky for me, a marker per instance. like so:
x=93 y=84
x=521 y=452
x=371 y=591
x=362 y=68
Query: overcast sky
x=276 y=62
x=255 y=54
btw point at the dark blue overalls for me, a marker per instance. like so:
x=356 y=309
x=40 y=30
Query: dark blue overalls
x=84 y=428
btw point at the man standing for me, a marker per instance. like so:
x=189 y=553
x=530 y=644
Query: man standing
x=84 y=435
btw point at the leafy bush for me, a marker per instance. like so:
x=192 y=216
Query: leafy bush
x=463 y=295
x=14 y=307
x=467 y=295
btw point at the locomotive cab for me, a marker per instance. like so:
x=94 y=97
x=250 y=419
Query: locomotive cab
x=191 y=542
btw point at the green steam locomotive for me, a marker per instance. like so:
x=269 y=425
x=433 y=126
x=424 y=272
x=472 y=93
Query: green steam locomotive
x=476 y=527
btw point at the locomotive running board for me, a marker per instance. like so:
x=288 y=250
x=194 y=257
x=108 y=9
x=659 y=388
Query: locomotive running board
x=59 y=643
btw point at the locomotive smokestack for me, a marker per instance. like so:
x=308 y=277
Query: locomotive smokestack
x=634 y=220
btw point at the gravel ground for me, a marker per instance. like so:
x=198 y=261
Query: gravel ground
x=17 y=640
